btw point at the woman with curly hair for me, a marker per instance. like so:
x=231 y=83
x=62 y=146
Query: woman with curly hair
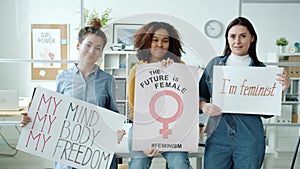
x=155 y=42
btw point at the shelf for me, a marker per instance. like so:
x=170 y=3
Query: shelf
x=120 y=52
x=121 y=101
x=281 y=135
x=285 y=151
x=282 y=124
x=118 y=64
x=282 y=63
x=290 y=102
x=292 y=94
x=120 y=77
x=289 y=54
x=4 y=60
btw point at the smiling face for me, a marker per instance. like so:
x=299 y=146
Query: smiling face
x=159 y=45
x=239 y=39
x=90 y=50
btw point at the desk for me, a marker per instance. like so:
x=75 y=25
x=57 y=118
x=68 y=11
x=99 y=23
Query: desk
x=123 y=152
x=199 y=155
x=3 y=122
x=283 y=137
x=10 y=113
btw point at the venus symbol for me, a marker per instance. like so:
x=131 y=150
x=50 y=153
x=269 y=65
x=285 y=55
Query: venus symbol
x=165 y=131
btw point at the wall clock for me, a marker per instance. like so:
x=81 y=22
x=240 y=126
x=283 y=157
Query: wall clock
x=213 y=28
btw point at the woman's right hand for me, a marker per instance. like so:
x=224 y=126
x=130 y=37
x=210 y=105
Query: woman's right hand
x=210 y=109
x=25 y=119
x=167 y=62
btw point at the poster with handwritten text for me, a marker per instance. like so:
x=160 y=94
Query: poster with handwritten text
x=70 y=131
x=166 y=107
x=247 y=90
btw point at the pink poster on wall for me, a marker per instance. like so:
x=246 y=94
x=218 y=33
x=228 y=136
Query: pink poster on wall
x=166 y=108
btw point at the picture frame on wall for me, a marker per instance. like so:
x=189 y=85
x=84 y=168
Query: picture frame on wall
x=49 y=47
x=123 y=35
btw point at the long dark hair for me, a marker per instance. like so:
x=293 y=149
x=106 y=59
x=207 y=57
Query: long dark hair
x=143 y=38
x=252 y=49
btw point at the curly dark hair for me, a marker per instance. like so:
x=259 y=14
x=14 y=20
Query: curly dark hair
x=94 y=27
x=143 y=38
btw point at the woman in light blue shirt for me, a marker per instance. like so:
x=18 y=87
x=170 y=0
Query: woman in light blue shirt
x=85 y=80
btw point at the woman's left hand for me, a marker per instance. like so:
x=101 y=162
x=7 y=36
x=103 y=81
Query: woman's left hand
x=151 y=152
x=284 y=79
x=120 y=134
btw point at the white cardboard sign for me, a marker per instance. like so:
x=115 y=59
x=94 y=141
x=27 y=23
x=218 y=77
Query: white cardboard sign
x=70 y=131
x=166 y=108
x=247 y=90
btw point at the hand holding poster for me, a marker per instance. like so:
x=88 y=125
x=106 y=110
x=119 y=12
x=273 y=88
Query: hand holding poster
x=166 y=107
x=70 y=131
x=247 y=90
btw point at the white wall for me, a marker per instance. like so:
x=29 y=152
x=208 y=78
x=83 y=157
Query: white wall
x=194 y=13
x=16 y=17
x=188 y=16
x=272 y=21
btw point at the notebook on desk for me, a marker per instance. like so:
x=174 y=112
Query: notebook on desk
x=9 y=100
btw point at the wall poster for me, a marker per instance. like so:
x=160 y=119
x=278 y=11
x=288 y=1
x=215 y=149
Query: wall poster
x=49 y=46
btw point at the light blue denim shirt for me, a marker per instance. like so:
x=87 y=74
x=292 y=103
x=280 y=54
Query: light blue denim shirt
x=231 y=137
x=98 y=88
x=205 y=93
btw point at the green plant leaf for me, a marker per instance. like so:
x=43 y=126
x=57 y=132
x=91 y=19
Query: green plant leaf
x=90 y=14
x=282 y=41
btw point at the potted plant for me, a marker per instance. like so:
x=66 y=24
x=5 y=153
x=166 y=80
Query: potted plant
x=281 y=43
x=90 y=14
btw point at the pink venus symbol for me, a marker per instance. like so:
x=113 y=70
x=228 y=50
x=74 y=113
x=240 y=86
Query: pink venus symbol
x=165 y=131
